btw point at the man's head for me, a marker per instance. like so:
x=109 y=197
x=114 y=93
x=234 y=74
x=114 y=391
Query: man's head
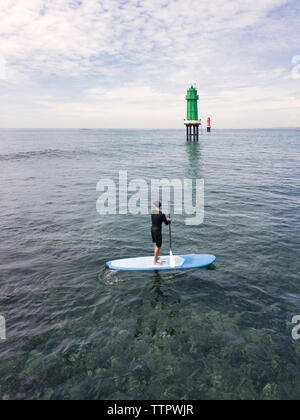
x=157 y=205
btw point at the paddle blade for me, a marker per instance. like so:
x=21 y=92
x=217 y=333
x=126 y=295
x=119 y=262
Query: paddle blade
x=172 y=260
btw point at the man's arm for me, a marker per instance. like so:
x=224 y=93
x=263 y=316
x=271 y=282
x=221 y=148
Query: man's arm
x=167 y=221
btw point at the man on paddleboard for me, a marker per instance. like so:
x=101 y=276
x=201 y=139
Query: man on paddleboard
x=158 y=218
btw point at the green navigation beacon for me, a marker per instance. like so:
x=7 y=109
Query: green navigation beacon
x=192 y=121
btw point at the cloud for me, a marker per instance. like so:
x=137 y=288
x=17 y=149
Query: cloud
x=60 y=36
x=135 y=55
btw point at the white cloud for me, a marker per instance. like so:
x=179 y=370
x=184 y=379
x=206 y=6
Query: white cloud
x=136 y=58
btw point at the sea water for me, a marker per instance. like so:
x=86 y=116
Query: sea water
x=77 y=330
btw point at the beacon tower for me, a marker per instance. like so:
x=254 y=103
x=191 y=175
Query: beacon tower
x=192 y=121
x=208 y=125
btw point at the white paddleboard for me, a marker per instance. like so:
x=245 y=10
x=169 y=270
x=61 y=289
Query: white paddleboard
x=146 y=263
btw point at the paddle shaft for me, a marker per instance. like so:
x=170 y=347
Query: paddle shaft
x=170 y=232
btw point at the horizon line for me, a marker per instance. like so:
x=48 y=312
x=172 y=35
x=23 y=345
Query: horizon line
x=145 y=129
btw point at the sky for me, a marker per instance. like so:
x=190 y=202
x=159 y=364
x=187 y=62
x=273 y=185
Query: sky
x=128 y=64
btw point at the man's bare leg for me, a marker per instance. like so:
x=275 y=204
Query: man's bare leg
x=156 y=255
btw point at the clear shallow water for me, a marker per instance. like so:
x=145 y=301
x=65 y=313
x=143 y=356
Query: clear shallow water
x=76 y=330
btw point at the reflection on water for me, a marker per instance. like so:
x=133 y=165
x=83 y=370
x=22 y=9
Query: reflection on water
x=194 y=169
x=158 y=294
x=163 y=306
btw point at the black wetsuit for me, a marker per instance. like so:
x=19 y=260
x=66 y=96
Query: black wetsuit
x=158 y=218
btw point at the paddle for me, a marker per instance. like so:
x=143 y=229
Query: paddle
x=172 y=259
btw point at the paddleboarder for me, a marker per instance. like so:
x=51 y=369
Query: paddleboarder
x=158 y=218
